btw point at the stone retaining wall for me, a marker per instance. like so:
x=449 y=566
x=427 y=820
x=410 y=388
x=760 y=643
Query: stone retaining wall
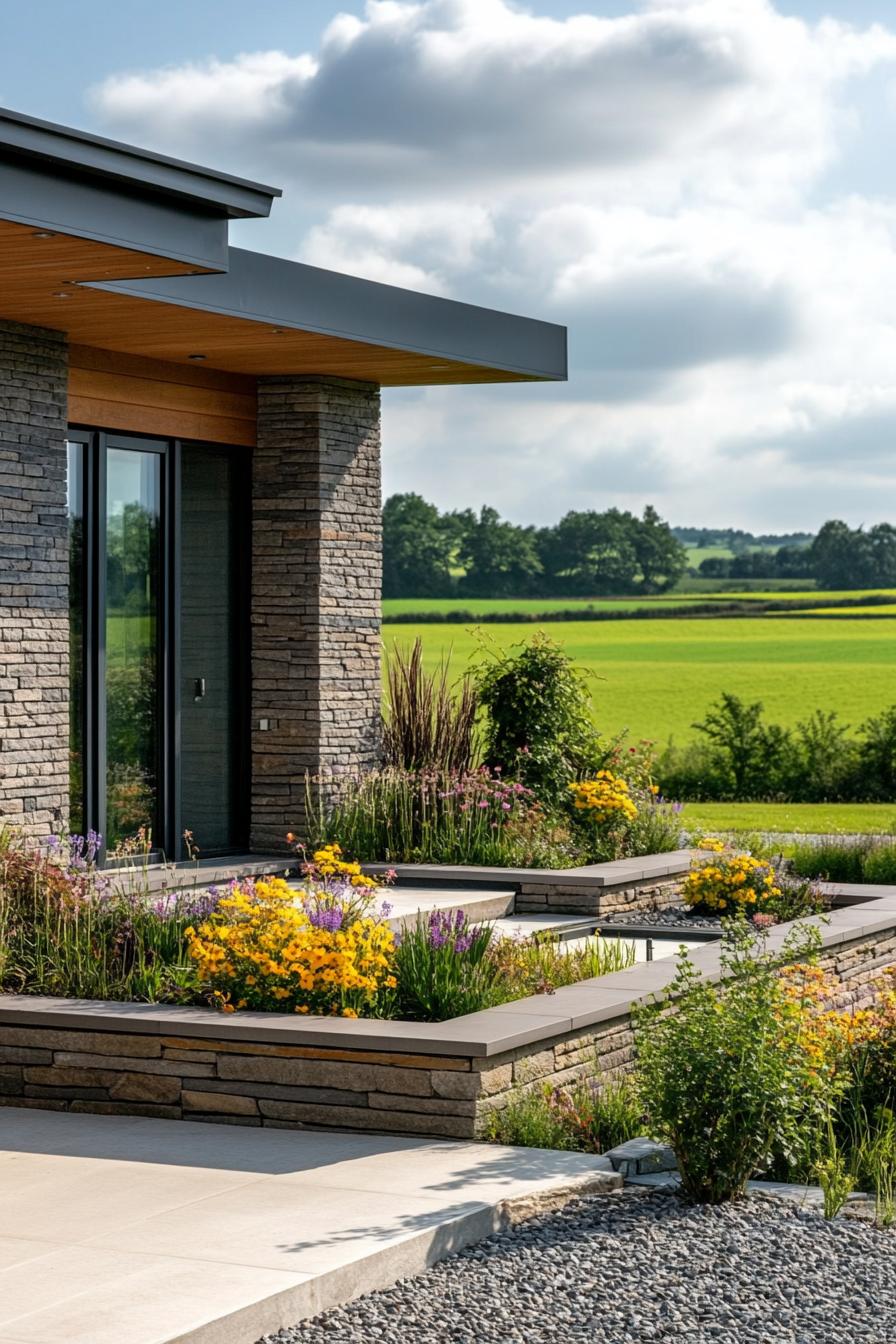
x=442 y=1080
x=574 y=898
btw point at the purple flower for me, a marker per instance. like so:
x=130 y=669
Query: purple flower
x=329 y=918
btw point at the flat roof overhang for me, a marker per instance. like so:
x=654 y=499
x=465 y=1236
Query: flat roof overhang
x=265 y=316
x=127 y=251
x=57 y=179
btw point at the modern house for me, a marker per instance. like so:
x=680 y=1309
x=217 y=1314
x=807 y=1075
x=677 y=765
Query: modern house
x=190 y=494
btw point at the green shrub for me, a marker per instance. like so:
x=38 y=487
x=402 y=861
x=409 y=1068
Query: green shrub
x=860 y=860
x=530 y=1120
x=725 y=1077
x=880 y=865
x=591 y=1116
x=538 y=726
x=542 y=964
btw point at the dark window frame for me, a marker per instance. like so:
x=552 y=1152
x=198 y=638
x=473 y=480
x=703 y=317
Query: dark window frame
x=94 y=443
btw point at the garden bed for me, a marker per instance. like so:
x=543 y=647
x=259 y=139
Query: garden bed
x=441 y=1078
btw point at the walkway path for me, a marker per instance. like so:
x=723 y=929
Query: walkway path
x=115 y=1230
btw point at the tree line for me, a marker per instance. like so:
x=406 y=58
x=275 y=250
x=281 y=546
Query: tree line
x=462 y=553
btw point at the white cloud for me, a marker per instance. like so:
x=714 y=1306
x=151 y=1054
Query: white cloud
x=657 y=181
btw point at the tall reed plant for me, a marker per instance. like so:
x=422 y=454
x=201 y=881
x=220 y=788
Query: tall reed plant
x=428 y=722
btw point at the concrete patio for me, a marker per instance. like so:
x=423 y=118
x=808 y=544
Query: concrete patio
x=121 y=1230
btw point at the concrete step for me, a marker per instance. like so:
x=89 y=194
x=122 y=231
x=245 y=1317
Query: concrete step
x=483 y=906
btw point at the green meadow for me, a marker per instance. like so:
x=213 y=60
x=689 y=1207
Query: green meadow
x=799 y=818
x=656 y=678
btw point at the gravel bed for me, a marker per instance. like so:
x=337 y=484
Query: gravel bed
x=636 y=1267
x=680 y=918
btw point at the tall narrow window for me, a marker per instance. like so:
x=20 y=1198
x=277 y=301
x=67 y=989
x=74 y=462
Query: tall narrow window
x=76 y=616
x=133 y=574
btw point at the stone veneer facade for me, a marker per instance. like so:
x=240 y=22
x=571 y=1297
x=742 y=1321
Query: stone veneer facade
x=316 y=583
x=34 y=672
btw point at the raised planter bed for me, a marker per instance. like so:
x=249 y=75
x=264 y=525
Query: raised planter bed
x=440 y=1079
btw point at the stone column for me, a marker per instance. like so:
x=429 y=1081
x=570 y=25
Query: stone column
x=316 y=585
x=34 y=671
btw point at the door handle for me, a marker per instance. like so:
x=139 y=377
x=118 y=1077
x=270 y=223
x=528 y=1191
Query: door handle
x=199 y=688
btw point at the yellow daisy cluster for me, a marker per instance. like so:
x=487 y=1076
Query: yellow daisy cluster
x=712 y=843
x=328 y=862
x=827 y=1035
x=261 y=949
x=730 y=882
x=605 y=798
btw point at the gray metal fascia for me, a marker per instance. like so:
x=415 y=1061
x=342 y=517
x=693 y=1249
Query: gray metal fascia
x=91 y=208
x=290 y=294
x=234 y=197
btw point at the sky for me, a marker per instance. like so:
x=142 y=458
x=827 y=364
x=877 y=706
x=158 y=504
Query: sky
x=701 y=190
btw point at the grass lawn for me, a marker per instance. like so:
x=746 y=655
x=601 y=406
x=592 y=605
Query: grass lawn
x=656 y=678
x=806 y=818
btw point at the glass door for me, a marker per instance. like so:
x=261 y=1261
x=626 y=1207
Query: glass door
x=158 y=618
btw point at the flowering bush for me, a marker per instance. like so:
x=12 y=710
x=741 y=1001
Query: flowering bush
x=268 y=947
x=605 y=799
x=67 y=928
x=730 y=882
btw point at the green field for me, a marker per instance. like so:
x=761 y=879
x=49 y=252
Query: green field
x=481 y=606
x=657 y=677
x=804 y=818
x=398 y=606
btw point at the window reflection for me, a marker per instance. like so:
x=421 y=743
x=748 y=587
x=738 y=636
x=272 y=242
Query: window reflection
x=132 y=630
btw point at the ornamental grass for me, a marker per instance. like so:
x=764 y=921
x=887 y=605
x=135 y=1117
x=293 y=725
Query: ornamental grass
x=437 y=816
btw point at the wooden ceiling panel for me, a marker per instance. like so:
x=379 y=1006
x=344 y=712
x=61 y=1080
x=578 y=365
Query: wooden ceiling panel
x=40 y=284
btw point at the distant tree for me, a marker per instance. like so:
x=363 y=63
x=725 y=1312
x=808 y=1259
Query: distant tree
x=499 y=558
x=843 y=558
x=417 y=546
x=663 y=559
x=591 y=553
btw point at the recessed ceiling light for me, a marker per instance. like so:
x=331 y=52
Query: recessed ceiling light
x=61 y=294
x=42 y=233
x=195 y=356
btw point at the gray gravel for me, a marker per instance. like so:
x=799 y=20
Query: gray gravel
x=636 y=1267
x=679 y=918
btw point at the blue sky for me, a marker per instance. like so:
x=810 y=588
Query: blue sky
x=703 y=190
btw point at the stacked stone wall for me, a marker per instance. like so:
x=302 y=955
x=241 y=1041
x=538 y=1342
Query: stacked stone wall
x=34 y=637
x=316 y=585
